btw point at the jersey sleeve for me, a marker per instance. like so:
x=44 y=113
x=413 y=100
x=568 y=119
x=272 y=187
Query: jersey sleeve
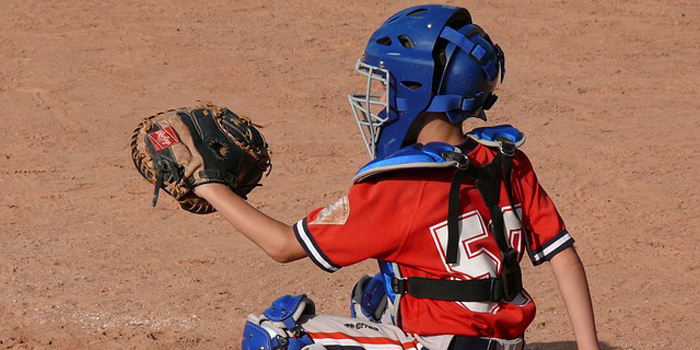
x=545 y=227
x=365 y=224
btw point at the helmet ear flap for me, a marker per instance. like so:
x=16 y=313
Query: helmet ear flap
x=472 y=63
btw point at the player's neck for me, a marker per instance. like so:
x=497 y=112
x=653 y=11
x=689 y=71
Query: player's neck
x=436 y=128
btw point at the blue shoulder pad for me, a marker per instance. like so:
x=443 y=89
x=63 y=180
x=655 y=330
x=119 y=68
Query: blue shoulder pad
x=288 y=308
x=414 y=156
x=489 y=136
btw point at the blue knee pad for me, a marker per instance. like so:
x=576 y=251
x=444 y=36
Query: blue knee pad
x=256 y=337
x=368 y=299
x=278 y=329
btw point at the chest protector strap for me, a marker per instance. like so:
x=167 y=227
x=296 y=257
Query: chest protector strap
x=488 y=181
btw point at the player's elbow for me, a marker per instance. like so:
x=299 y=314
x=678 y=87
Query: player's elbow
x=281 y=255
x=286 y=250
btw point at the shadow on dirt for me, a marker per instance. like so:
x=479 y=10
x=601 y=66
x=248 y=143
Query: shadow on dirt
x=563 y=345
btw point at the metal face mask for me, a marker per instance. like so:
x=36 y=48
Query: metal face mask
x=371 y=106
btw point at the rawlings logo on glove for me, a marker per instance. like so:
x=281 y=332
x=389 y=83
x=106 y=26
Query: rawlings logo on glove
x=182 y=148
x=164 y=138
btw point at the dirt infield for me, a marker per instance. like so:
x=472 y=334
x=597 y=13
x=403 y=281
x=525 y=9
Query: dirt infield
x=606 y=92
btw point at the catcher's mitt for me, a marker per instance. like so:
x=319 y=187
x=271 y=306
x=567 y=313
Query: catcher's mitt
x=182 y=148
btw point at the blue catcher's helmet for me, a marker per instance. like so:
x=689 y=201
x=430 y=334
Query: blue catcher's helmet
x=429 y=58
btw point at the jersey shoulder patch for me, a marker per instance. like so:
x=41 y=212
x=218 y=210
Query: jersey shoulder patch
x=334 y=214
x=489 y=136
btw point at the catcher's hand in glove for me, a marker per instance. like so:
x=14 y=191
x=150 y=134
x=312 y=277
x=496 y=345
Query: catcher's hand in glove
x=186 y=147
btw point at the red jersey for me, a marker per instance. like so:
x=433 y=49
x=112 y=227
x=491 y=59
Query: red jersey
x=401 y=217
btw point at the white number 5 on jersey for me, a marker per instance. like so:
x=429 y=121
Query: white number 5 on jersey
x=474 y=260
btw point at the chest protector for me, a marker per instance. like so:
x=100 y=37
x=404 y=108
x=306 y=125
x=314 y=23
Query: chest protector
x=506 y=139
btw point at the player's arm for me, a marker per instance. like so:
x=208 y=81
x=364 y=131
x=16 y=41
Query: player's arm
x=275 y=238
x=573 y=286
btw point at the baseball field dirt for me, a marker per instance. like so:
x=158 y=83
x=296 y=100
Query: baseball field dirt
x=607 y=93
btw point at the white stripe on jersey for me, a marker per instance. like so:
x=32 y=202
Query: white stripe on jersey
x=554 y=246
x=353 y=342
x=311 y=248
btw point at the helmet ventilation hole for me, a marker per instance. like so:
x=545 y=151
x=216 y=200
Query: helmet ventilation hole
x=412 y=85
x=386 y=41
x=416 y=11
x=406 y=42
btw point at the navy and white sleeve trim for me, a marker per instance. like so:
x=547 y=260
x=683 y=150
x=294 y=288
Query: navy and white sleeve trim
x=552 y=247
x=301 y=231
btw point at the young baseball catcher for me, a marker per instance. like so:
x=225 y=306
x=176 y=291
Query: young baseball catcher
x=448 y=216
